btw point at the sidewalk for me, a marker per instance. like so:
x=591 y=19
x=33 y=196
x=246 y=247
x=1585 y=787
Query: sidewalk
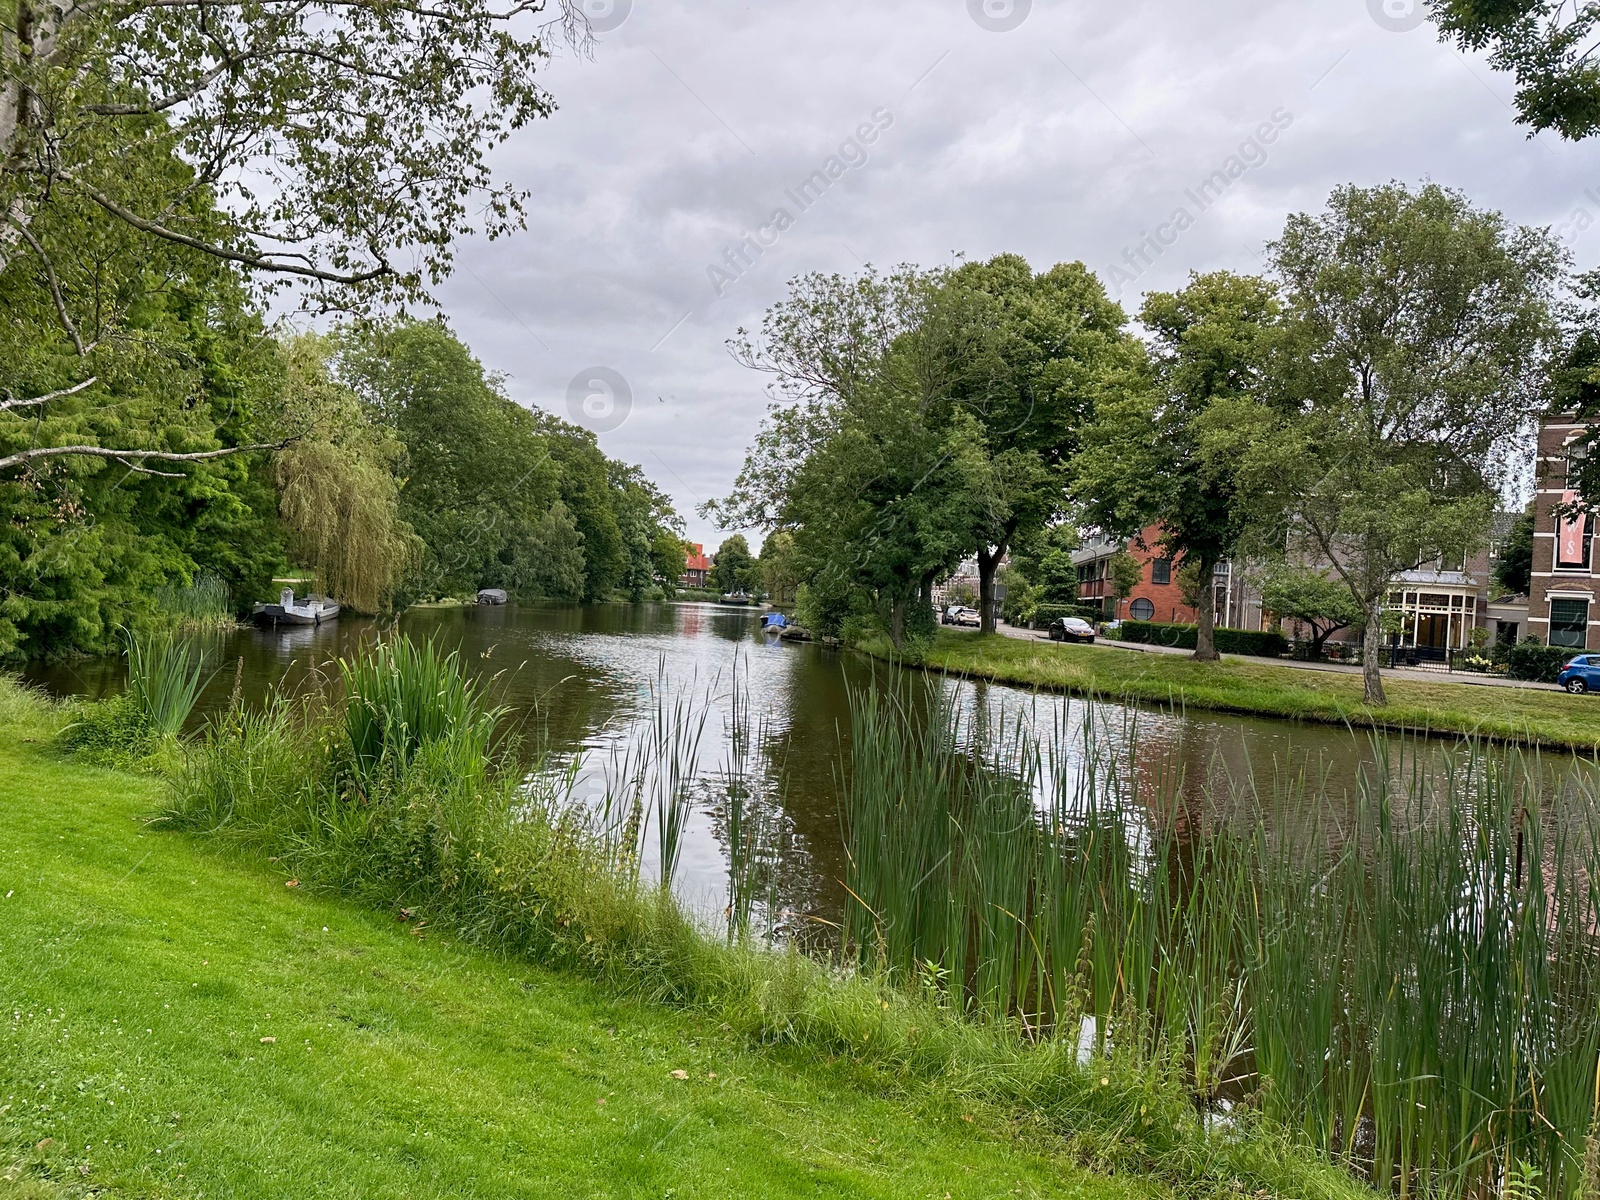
x=1421 y=675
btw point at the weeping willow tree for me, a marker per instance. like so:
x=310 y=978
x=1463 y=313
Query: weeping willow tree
x=339 y=494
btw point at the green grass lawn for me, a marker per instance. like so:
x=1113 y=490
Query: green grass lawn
x=178 y=1023
x=1245 y=685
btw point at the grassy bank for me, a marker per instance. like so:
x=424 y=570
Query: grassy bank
x=421 y=1065
x=1252 y=686
x=141 y=977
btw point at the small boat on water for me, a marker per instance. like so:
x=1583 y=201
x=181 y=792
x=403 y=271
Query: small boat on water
x=491 y=596
x=313 y=610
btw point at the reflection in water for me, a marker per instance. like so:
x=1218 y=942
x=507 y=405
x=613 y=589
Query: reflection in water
x=578 y=683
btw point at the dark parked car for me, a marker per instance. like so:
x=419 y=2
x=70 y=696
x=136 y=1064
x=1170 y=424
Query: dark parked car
x=1071 y=629
x=1581 y=675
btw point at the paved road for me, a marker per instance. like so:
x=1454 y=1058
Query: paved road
x=1421 y=674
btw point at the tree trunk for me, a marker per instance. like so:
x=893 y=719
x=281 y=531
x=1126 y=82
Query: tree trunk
x=1205 y=639
x=988 y=564
x=897 y=620
x=1371 y=655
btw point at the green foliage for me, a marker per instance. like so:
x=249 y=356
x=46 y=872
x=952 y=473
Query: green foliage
x=1548 y=45
x=734 y=568
x=1261 y=643
x=406 y=701
x=923 y=417
x=1531 y=659
x=1151 y=457
x=1291 y=592
x=1125 y=573
x=374 y=132
x=175 y=361
x=499 y=496
x=1402 y=386
x=204 y=604
x=165 y=676
x=780 y=567
x=1267 y=943
x=1513 y=570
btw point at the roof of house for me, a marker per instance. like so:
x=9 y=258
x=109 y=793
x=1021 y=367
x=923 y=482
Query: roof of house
x=695 y=559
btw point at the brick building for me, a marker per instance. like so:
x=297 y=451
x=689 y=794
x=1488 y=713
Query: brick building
x=1564 y=588
x=696 y=566
x=1158 y=596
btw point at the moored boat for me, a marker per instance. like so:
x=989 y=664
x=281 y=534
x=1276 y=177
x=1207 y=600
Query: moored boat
x=313 y=610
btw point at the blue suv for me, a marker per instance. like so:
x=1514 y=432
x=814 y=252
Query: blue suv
x=1581 y=675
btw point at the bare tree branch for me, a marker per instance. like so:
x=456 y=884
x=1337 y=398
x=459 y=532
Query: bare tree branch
x=26 y=456
x=7 y=405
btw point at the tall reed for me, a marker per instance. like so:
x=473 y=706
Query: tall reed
x=204 y=604
x=1408 y=976
x=165 y=676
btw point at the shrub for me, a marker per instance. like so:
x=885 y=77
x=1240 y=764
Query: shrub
x=1262 y=643
x=164 y=681
x=1531 y=659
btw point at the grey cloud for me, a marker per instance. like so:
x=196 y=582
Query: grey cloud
x=1062 y=139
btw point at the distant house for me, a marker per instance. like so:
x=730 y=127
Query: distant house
x=696 y=567
x=1158 y=595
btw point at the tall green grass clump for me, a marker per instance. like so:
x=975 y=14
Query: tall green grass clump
x=165 y=677
x=204 y=605
x=25 y=708
x=1406 y=979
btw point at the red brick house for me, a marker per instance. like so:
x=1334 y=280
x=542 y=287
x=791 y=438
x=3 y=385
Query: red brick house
x=1158 y=595
x=696 y=567
x=1564 y=591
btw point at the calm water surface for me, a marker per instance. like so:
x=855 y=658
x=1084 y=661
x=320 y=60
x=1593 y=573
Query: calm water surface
x=581 y=681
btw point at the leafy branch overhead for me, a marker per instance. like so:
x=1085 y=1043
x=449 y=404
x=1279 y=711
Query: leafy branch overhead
x=1548 y=45
x=341 y=143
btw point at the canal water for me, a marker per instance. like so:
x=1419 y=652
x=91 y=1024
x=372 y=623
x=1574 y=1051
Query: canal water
x=580 y=682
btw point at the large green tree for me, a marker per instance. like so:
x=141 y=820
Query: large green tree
x=1408 y=383
x=1031 y=357
x=1152 y=456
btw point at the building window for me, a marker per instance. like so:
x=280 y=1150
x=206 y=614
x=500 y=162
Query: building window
x=1569 y=623
x=1142 y=609
x=1160 y=571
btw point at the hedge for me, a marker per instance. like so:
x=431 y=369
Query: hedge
x=1263 y=644
x=1531 y=659
x=1046 y=614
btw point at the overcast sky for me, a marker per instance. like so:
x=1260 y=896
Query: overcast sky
x=1072 y=131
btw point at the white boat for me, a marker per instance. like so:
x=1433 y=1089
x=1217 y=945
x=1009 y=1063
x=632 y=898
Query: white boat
x=313 y=610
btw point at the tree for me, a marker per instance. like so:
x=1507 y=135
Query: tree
x=87 y=539
x=548 y=564
x=1298 y=593
x=341 y=145
x=864 y=455
x=733 y=567
x=1548 y=45
x=1513 y=570
x=668 y=553
x=1414 y=324
x=1153 y=457
x=1031 y=357
x=339 y=495
x=780 y=567
x=1125 y=573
